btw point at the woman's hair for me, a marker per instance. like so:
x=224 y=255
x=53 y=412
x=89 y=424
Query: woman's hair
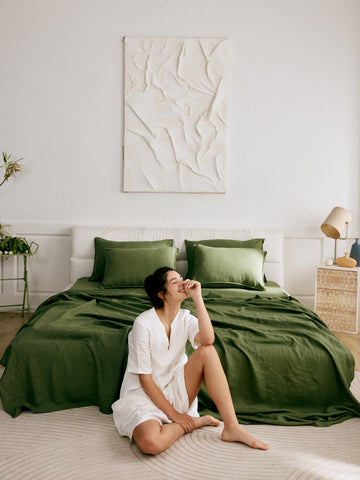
x=155 y=283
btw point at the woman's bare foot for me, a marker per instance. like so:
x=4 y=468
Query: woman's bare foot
x=236 y=433
x=206 y=420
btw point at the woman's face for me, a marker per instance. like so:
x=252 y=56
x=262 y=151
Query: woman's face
x=175 y=286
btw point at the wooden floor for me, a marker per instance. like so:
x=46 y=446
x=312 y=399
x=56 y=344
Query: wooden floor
x=9 y=325
x=352 y=341
x=11 y=322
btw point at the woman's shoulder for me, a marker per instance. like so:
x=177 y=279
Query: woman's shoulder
x=145 y=317
x=185 y=314
x=143 y=324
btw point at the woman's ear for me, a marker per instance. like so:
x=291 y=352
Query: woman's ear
x=161 y=295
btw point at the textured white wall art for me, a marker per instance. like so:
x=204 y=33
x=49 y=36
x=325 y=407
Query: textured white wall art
x=175 y=103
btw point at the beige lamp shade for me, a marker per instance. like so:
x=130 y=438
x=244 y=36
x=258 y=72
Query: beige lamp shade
x=335 y=223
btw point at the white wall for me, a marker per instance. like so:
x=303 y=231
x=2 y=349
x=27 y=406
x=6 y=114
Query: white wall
x=294 y=121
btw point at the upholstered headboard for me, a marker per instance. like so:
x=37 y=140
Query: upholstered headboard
x=83 y=244
x=82 y=258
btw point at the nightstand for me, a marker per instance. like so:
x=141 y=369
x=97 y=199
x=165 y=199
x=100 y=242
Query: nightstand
x=337 y=297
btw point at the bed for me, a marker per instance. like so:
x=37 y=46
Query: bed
x=283 y=364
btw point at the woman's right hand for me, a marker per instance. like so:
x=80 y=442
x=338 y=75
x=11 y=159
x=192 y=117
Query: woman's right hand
x=185 y=421
x=192 y=288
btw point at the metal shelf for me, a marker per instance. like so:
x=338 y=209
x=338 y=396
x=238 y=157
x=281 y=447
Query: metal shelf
x=25 y=305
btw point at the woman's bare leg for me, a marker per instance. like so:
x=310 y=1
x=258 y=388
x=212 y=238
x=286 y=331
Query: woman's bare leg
x=153 y=438
x=204 y=364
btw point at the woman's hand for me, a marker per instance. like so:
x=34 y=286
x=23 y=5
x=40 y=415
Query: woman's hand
x=185 y=421
x=153 y=391
x=192 y=288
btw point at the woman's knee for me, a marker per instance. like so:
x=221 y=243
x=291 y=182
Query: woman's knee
x=150 y=444
x=206 y=351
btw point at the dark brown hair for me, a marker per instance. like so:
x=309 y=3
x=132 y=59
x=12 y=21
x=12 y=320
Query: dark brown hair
x=155 y=283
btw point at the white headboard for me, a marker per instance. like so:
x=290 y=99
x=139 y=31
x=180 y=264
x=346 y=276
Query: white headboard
x=82 y=258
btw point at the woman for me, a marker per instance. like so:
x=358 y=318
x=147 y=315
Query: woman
x=158 y=401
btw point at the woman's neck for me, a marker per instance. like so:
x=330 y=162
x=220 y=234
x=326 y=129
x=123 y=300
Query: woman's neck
x=168 y=312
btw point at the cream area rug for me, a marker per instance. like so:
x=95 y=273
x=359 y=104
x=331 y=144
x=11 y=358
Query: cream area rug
x=82 y=444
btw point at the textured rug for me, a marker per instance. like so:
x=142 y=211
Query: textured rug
x=82 y=444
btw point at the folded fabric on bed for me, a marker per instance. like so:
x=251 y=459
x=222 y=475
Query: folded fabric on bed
x=101 y=244
x=128 y=267
x=229 y=267
x=283 y=364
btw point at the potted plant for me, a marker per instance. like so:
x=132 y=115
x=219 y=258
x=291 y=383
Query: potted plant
x=10 y=245
x=17 y=246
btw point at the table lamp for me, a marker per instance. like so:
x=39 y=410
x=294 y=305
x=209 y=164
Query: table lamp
x=335 y=224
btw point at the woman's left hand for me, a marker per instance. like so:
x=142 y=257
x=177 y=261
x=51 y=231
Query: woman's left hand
x=185 y=421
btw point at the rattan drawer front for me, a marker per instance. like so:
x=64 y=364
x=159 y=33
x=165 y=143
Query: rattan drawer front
x=337 y=279
x=338 y=320
x=337 y=299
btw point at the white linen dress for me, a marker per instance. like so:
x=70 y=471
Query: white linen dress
x=151 y=352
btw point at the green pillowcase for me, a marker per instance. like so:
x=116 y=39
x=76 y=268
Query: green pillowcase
x=128 y=267
x=101 y=244
x=229 y=267
x=225 y=243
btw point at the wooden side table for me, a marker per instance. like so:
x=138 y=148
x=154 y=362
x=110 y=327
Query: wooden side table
x=25 y=305
x=337 y=297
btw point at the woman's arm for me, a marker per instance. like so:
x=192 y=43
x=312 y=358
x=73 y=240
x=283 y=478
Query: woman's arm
x=156 y=395
x=206 y=335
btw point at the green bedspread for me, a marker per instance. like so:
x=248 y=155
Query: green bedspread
x=283 y=364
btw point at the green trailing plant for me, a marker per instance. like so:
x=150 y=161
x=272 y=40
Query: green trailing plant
x=17 y=245
x=12 y=167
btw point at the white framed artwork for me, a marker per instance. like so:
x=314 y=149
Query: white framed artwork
x=175 y=103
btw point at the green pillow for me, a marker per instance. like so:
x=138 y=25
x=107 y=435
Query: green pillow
x=101 y=244
x=229 y=267
x=228 y=243
x=128 y=267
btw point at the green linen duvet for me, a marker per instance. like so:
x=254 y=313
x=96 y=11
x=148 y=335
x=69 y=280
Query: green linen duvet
x=283 y=364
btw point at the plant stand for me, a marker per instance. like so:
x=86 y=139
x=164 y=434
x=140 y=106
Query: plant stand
x=25 y=305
